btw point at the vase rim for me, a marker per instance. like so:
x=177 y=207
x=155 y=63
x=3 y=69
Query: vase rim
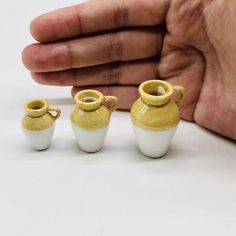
x=89 y=99
x=156 y=92
x=36 y=107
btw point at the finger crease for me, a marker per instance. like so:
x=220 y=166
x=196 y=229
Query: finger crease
x=70 y=56
x=79 y=21
x=116 y=48
x=121 y=14
x=115 y=74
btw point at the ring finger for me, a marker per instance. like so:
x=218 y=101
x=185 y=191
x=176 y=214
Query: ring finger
x=118 y=73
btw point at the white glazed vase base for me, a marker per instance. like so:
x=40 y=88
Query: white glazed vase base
x=90 y=140
x=154 y=144
x=39 y=140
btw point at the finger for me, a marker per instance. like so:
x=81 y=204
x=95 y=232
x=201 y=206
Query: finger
x=126 y=94
x=127 y=73
x=95 y=16
x=94 y=50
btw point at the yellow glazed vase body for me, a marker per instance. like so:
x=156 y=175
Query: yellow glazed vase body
x=38 y=123
x=91 y=117
x=155 y=116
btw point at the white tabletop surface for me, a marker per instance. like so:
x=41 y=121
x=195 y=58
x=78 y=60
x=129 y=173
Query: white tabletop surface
x=118 y=192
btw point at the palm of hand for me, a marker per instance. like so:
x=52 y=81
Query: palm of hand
x=196 y=56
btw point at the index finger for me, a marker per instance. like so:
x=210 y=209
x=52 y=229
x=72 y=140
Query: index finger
x=95 y=16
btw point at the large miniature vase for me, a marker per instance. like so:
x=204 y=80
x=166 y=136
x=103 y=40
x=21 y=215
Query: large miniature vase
x=155 y=116
x=38 y=123
x=91 y=117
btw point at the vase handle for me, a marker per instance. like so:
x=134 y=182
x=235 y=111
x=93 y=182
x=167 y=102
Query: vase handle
x=114 y=102
x=181 y=91
x=56 y=110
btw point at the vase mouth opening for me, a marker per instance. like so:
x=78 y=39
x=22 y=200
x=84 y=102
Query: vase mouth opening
x=156 y=92
x=36 y=108
x=89 y=99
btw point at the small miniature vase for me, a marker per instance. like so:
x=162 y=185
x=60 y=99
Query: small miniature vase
x=155 y=116
x=91 y=117
x=38 y=123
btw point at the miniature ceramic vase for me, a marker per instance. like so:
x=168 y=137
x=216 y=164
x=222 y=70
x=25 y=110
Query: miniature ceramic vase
x=38 y=123
x=91 y=117
x=155 y=116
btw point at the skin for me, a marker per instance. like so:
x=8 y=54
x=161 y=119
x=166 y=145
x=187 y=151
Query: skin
x=114 y=45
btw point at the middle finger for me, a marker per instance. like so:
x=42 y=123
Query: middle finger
x=94 y=50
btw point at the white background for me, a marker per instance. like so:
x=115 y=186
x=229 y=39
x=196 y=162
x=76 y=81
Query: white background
x=62 y=191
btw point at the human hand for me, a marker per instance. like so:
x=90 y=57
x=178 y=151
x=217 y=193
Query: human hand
x=114 y=45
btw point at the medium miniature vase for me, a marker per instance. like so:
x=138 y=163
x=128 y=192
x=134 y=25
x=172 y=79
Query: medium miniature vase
x=155 y=116
x=38 y=123
x=91 y=117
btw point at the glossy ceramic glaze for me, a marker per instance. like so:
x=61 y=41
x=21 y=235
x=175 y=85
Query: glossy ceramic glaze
x=155 y=116
x=38 y=123
x=91 y=117
x=90 y=140
x=154 y=144
x=39 y=140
